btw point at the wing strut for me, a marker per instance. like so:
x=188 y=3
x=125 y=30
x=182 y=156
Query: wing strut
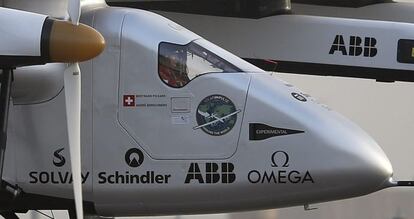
x=6 y=82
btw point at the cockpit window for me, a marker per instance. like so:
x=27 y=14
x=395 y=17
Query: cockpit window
x=179 y=64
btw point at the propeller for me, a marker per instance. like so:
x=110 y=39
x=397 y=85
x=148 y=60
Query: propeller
x=59 y=41
x=72 y=82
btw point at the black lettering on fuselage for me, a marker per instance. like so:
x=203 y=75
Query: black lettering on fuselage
x=149 y=177
x=279 y=177
x=194 y=173
x=338 y=45
x=212 y=175
x=54 y=177
x=355 y=46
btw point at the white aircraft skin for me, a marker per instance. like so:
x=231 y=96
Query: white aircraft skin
x=24 y=32
x=281 y=39
x=141 y=152
x=400 y=11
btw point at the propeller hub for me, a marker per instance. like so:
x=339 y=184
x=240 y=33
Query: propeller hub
x=74 y=43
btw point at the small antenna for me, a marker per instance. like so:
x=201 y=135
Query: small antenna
x=308 y=208
x=392 y=183
x=405 y=183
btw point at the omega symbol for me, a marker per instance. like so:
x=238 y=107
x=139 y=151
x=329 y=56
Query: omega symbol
x=280 y=157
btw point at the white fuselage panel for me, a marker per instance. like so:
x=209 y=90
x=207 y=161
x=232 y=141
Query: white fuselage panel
x=20 y=33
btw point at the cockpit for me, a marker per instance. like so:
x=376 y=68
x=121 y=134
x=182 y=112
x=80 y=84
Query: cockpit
x=179 y=64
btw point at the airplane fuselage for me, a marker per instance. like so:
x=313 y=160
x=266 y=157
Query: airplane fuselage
x=230 y=141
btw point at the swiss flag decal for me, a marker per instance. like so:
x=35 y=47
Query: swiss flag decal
x=129 y=100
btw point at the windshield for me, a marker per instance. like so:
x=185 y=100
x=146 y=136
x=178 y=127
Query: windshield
x=179 y=64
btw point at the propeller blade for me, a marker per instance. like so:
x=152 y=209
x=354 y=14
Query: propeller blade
x=72 y=81
x=74 y=10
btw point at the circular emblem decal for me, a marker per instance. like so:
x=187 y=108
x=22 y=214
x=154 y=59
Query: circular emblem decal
x=134 y=157
x=299 y=97
x=216 y=115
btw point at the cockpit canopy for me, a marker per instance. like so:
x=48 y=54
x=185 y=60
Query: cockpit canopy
x=179 y=64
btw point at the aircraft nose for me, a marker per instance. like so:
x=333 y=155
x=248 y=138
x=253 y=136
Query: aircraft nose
x=342 y=159
x=345 y=156
x=377 y=161
x=364 y=163
x=378 y=164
